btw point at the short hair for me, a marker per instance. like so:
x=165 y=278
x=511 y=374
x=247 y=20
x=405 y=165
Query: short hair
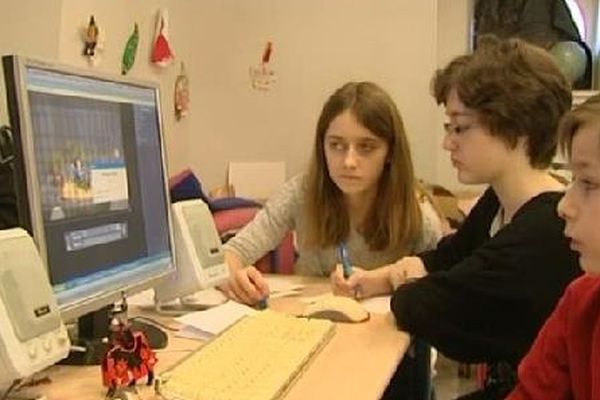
x=395 y=217
x=516 y=88
x=584 y=115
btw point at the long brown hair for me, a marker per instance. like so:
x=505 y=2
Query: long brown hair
x=394 y=218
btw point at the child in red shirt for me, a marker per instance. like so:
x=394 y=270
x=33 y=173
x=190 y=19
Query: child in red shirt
x=564 y=361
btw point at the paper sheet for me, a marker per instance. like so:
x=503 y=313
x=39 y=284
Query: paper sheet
x=142 y=299
x=256 y=180
x=377 y=305
x=314 y=299
x=205 y=298
x=214 y=320
x=280 y=286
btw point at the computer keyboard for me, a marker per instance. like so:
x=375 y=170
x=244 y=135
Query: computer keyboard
x=255 y=359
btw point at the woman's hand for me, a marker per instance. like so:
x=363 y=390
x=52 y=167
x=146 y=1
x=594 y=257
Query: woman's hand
x=406 y=270
x=361 y=284
x=246 y=284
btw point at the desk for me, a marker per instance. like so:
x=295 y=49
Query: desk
x=356 y=364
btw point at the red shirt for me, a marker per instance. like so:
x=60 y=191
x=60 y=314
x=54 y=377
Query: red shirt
x=564 y=361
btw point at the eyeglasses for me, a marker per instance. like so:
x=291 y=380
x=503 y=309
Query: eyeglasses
x=457 y=129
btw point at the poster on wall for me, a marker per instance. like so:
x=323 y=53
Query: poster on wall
x=262 y=76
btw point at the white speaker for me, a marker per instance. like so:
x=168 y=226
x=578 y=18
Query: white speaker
x=199 y=258
x=32 y=334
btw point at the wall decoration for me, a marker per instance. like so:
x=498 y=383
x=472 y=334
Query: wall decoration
x=162 y=55
x=262 y=77
x=130 y=50
x=182 y=94
x=92 y=41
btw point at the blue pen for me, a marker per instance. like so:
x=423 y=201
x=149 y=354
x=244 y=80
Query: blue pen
x=262 y=304
x=347 y=267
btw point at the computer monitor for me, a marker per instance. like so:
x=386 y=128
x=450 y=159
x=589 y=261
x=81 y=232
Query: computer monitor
x=90 y=180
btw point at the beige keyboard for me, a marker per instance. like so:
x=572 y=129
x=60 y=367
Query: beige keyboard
x=255 y=359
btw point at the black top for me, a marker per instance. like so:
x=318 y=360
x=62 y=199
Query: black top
x=485 y=298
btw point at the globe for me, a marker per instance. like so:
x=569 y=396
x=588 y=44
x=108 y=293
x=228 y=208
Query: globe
x=571 y=59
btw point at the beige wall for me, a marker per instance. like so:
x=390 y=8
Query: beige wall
x=28 y=27
x=318 y=46
x=453 y=38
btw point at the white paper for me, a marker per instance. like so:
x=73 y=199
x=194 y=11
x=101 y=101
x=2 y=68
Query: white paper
x=256 y=180
x=189 y=332
x=142 y=299
x=280 y=286
x=377 y=305
x=314 y=299
x=216 y=319
x=205 y=298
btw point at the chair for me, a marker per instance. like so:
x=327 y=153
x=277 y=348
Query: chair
x=412 y=378
x=422 y=388
x=280 y=260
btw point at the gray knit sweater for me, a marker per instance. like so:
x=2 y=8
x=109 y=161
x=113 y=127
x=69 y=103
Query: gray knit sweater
x=285 y=212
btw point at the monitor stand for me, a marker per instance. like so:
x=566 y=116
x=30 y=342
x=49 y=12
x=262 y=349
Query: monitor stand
x=91 y=341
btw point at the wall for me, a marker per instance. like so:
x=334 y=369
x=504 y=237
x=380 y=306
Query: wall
x=453 y=38
x=317 y=47
x=28 y=27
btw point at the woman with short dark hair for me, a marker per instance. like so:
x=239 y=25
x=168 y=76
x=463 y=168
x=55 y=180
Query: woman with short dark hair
x=485 y=291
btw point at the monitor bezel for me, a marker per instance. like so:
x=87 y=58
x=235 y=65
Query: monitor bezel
x=26 y=174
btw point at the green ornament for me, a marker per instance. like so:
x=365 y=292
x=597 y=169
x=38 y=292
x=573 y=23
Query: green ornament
x=130 y=50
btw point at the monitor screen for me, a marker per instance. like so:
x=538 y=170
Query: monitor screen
x=90 y=174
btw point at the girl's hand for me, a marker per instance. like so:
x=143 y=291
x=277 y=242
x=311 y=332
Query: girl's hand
x=361 y=284
x=246 y=284
x=406 y=270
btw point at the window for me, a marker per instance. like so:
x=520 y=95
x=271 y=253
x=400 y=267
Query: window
x=577 y=15
x=567 y=28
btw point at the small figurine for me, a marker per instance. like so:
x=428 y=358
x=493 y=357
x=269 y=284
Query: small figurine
x=162 y=55
x=182 y=94
x=91 y=38
x=128 y=359
x=130 y=50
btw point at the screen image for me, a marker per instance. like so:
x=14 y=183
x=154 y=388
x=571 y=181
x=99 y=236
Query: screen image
x=91 y=153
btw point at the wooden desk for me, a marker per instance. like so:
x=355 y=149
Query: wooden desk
x=356 y=364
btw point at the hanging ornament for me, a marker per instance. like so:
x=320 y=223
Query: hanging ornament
x=162 y=55
x=92 y=40
x=182 y=94
x=262 y=77
x=130 y=50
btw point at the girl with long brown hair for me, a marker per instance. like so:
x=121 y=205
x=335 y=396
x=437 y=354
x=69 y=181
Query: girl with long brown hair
x=359 y=193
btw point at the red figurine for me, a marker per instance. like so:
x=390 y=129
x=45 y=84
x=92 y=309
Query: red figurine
x=128 y=359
